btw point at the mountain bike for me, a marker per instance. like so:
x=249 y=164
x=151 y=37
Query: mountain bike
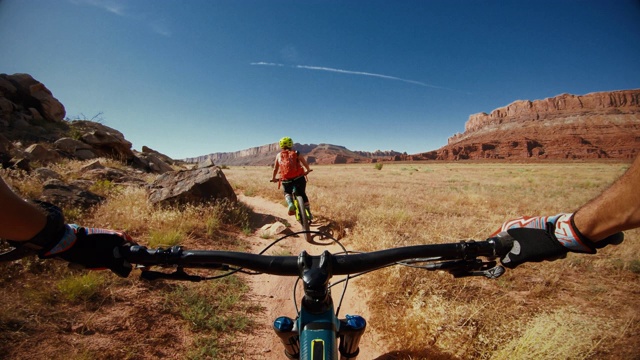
x=303 y=216
x=318 y=333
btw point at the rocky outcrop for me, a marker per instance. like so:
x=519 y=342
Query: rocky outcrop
x=592 y=126
x=565 y=106
x=33 y=130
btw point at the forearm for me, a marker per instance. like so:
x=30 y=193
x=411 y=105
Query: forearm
x=304 y=163
x=19 y=220
x=616 y=209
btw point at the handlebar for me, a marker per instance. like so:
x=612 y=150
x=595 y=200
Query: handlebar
x=337 y=264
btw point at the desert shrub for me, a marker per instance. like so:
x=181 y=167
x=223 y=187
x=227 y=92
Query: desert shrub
x=563 y=334
x=165 y=238
x=81 y=287
x=103 y=187
x=23 y=183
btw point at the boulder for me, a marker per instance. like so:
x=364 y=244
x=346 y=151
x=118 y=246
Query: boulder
x=151 y=162
x=46 y=174
x=70 y=146
x=273 y=229
x=103 y=140
x=161 y=156
x=69 y=195
x=115 y=176
x=33 y=95
x=205 y=163
x=41 y=154
x=92 y=166
x=190 y=187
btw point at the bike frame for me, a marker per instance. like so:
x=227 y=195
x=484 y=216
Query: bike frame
x=317 y=333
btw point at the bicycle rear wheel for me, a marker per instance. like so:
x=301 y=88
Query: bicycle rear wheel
x=304 y=219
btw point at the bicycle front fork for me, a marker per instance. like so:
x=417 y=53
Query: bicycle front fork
x=350 y=332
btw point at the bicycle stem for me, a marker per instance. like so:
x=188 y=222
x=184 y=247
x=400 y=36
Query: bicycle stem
x=316 y=272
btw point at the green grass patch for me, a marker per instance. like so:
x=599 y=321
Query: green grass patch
x=81 y=287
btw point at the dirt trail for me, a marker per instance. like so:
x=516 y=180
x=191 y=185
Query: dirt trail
x=275 y=293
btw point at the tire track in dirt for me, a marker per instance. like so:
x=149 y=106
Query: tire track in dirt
x=275 y=293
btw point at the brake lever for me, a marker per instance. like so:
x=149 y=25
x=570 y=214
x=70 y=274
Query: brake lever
x=489 y=270
x=464 y=268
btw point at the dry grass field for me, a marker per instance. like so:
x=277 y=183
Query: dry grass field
x=583 y=307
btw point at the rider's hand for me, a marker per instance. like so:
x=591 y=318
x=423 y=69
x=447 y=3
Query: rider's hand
x=91 y=248
x=548 y=238
x=88 y=247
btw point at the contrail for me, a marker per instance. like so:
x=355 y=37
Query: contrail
x=350 y=72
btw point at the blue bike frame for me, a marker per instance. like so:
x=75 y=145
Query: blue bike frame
x=314 y=335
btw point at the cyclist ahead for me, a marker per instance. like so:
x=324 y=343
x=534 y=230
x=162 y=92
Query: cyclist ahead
x=291 y=167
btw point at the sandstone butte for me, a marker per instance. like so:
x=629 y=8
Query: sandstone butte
x=602 y=125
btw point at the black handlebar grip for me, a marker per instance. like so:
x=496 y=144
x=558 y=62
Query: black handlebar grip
x=502 y=243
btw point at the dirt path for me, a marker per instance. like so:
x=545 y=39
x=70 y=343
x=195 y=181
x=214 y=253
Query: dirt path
x=275 y=293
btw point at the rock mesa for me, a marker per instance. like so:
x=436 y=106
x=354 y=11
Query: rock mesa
x=593 y=126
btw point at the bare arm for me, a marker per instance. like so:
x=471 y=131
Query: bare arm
x=276 y=166
x=304 y=163
x=19 y=220
x=615 y=210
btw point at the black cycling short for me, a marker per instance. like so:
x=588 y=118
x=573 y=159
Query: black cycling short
x=300 y=183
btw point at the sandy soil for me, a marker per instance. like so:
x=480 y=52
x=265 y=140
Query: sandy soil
x=275 y=293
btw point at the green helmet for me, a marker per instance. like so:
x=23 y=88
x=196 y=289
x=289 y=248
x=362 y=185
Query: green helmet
x=286 y=143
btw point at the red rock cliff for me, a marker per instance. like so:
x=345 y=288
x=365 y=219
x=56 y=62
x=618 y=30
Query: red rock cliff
x=596 y=125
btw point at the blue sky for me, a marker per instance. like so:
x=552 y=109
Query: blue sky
x=189 y=77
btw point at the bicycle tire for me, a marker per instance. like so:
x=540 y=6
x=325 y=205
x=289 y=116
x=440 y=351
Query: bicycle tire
x=304 y=220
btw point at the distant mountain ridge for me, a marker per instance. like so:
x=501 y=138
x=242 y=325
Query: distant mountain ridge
x=314 y=153
x=600 y=125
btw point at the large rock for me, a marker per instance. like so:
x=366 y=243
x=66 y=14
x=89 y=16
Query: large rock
x=32 y=94
x=149 y=151
x=191 y=187
x=41 y=154
x=104 y=141
x=72 y=195
x=151 y=162
x=75 y=148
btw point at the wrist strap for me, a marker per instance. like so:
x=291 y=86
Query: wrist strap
x=569 y=236
x=585 y=241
